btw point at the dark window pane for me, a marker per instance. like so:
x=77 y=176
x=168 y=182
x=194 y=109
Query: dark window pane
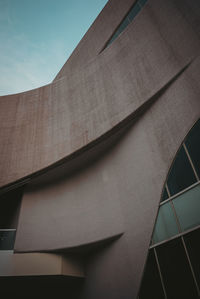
x=133 y=12
x=175 y=269
x=164 y=195
x=187 y=207
x=181 y=175
x=10 y=205
x=131 y=15
x=121 y=28
x=166 y=226
x=142 y=2
x=193 y=145
x=112 y=39
x=151 y=284
x=123 y=25
x=192 y=241
x=7 y=239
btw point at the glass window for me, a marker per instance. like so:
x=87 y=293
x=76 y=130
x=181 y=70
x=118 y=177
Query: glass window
x=142 y=2
x=181 y=175
x=175 y=269
x=10 y=206
x=187 y=207
x=164 y=195
x=131 y=15
x=121 y=28
x=112 y=39
x=193 y=146
x=123 y=25
x=133 y=12
x=166 y=226
x=7 y=239
x=151 y=284
x=174 y=265
x=193 y=247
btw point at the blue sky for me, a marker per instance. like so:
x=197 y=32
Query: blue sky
x=38 y=36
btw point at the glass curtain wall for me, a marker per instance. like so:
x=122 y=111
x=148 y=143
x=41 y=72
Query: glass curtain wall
x=173 y=264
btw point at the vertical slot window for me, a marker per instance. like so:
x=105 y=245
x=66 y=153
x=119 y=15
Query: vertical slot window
x=127 y=20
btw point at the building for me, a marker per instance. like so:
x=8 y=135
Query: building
x=85 y=163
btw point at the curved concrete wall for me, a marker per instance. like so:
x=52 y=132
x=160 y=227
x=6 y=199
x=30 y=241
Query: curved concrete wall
x=148 y=82
x=119 y=192
x=43 y=126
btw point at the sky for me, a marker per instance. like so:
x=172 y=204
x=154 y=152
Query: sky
x=38 y=36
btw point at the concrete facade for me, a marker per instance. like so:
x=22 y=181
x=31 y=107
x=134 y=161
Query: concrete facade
x=94 y=147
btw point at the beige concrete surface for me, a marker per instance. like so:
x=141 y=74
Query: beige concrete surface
x=114 y=121
x=36 y=264
x=43 y=126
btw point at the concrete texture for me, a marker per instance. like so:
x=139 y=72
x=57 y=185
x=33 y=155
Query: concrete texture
x=37 y=264
x=43 y=126
x=118 y=192
x=101 y=139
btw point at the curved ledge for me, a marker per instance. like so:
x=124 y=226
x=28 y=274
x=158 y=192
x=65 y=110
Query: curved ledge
x=82 y=248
